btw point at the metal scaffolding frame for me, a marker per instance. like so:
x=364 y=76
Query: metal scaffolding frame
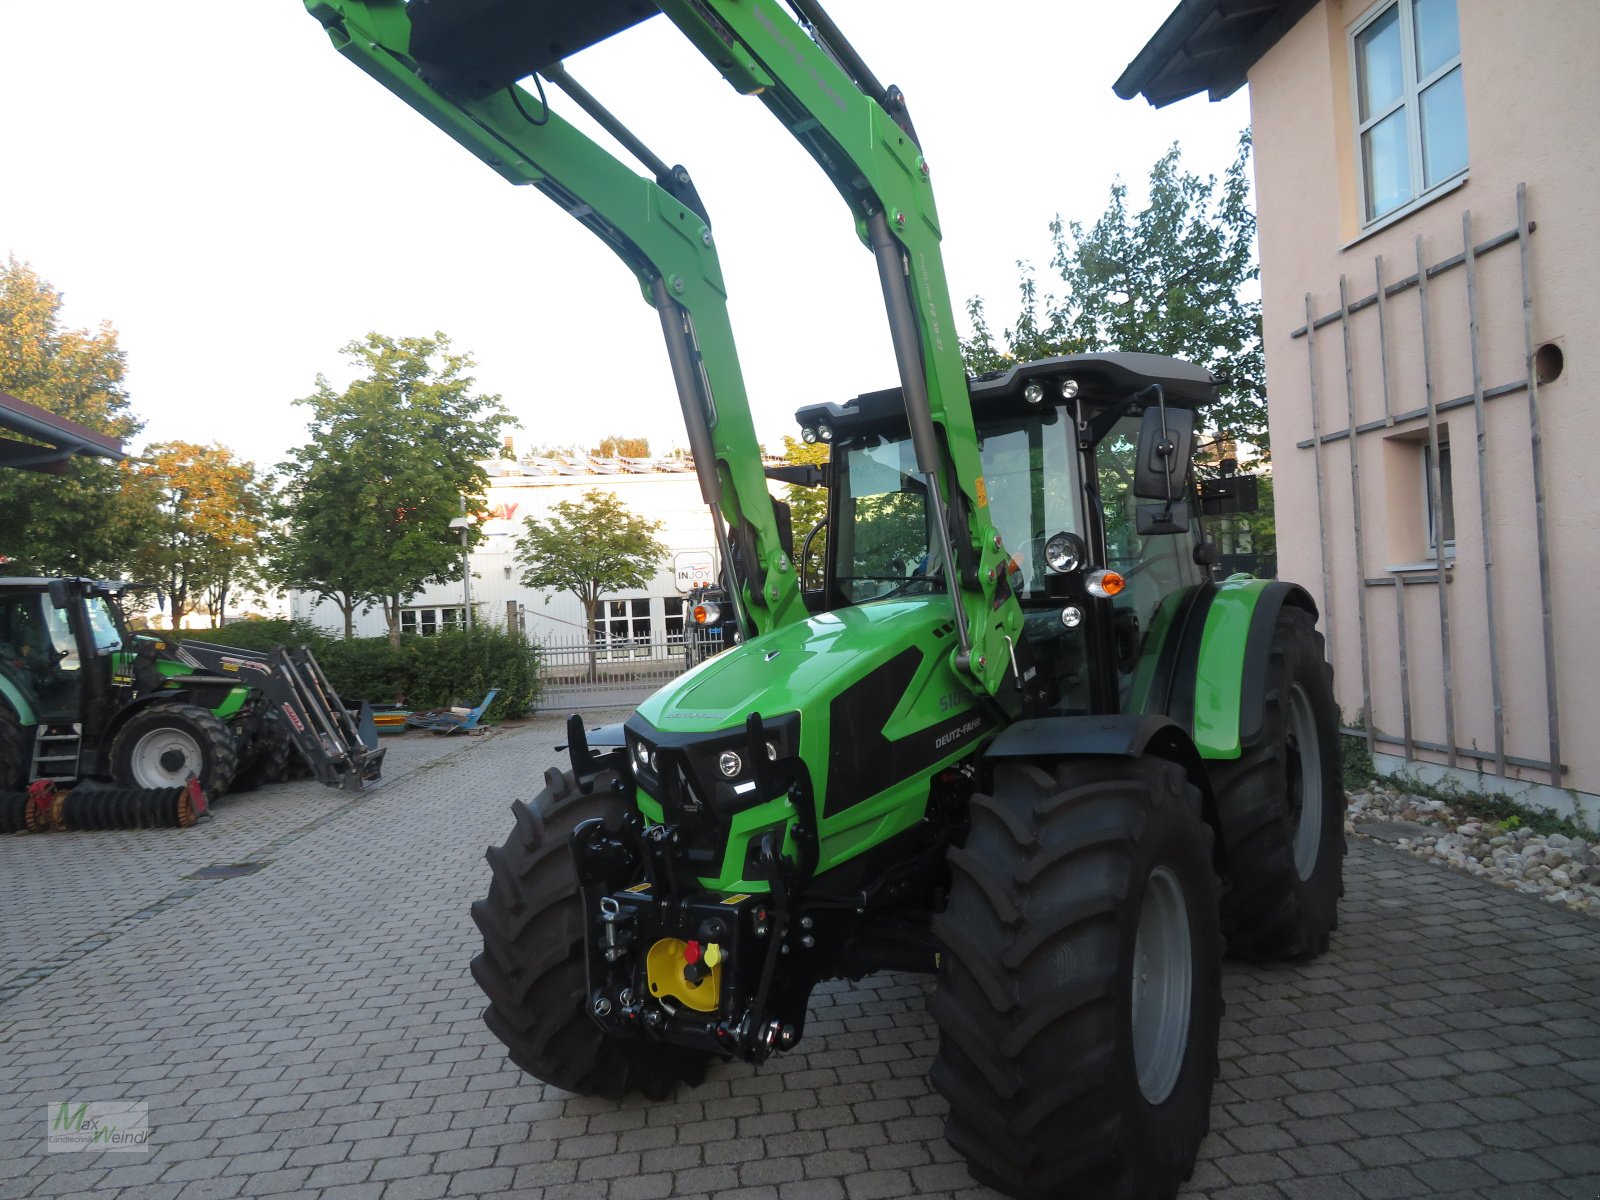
x=1466 y=259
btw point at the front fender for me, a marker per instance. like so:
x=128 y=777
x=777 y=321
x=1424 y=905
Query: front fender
x=1128 y=735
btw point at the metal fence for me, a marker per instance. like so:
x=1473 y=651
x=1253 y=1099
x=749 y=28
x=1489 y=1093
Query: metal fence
x=618 y=669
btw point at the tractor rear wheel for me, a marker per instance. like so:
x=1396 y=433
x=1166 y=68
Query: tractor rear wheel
x=14 y=756
x=1281 y=805
x=532 y=966
x=162 y=745
x=1079 y=990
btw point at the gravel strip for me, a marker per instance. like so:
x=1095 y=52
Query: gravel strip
x=1562 y=870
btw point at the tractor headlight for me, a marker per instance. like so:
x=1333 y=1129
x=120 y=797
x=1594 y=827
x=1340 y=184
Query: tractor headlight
x=1069 y=389
x=825 y=431
x=1072 y=616
x=808 y=435
x=1034 y=392
x=1065 y=553
x=729 y=763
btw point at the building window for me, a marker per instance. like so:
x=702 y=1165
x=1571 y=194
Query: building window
x=1411 y=115
x=622 y=628
x=674 y=620
x=429 y=621
x=1446 y=500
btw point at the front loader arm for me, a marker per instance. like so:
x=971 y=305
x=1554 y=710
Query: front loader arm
x=660 y=235
x=843 y=117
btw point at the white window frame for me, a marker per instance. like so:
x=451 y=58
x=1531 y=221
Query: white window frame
x=441 y=617
x=1410 y=99
x=638 y=623
x=1446 y=496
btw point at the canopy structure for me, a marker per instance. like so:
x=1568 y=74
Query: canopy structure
x=1207 y=46
x=49 y=440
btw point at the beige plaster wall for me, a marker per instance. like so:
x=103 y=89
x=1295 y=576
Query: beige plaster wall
x=1533 y=117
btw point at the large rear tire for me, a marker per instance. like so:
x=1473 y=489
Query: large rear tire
x=1080 y=990
x=162 y=745
x=1281 y=805
x=532 y=965
x=14 y=745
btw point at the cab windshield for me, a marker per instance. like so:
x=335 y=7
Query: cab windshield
x=886 y=545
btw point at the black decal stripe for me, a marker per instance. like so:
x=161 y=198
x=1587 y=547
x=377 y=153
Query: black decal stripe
x=861 y=761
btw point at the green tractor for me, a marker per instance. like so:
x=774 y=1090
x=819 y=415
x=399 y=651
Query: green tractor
x=1014 y=736
x=83 y=698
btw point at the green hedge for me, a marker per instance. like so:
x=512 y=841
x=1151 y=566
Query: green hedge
x=453 y=667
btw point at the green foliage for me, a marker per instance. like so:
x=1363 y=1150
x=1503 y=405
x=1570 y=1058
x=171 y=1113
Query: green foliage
x=452 y=668
x=617 y=446
x=1359 y=771
x=1171 y=279
x=366 y=504
x=79 y=523
x=588 y=547
x=264 y=635
x=807 y=505
x=204 y=512
x=457 y=667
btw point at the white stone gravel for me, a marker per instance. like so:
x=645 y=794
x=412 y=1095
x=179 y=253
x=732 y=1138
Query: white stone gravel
x=1561 y=870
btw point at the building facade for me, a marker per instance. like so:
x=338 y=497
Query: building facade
x=1429 y=237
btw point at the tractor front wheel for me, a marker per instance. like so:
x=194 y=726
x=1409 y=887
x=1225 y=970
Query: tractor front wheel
x=162 y=745
x=1281 y=804
x=532 y=966
x=1079 y=990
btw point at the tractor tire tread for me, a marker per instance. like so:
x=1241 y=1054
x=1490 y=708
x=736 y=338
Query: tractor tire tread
x=531 y=968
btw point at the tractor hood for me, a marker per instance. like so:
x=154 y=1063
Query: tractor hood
x=799 y=666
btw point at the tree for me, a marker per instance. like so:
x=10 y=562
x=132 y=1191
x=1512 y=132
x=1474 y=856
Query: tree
x=807 y=505
x=366 y=503
x=207 y=510
x=1174 y=278
x=80 y=522
x=588 y=547
x=617 y=446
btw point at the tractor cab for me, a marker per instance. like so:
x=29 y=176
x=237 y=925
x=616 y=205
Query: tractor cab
x=1103 y=539
x=62 y=644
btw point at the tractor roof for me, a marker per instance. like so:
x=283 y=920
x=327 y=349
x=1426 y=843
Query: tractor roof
x=1102 y=379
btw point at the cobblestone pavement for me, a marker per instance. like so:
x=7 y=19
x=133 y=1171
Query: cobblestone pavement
x=311 y=1030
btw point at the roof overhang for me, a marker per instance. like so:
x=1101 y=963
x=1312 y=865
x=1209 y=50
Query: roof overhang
x=1208 y=46
x=50 y=440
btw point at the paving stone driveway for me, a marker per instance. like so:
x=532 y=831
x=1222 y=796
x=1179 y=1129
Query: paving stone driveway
x=311 y=1030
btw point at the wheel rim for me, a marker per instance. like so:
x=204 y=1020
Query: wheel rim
x=1305 y=782
x=165 y=758
x=1163 y=977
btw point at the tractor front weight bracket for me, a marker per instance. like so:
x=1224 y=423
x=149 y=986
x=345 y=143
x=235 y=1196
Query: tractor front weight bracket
x=693 y=967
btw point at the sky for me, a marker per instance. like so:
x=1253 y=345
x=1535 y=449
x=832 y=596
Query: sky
x=240 y=201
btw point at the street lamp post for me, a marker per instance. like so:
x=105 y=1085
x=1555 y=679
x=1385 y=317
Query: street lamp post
x=464 y=523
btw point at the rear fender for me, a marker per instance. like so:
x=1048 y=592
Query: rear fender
x=1230 y=680
x=11 y=695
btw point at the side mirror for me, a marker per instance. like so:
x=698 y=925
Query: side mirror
x=60 y=594
x=1166 y=442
